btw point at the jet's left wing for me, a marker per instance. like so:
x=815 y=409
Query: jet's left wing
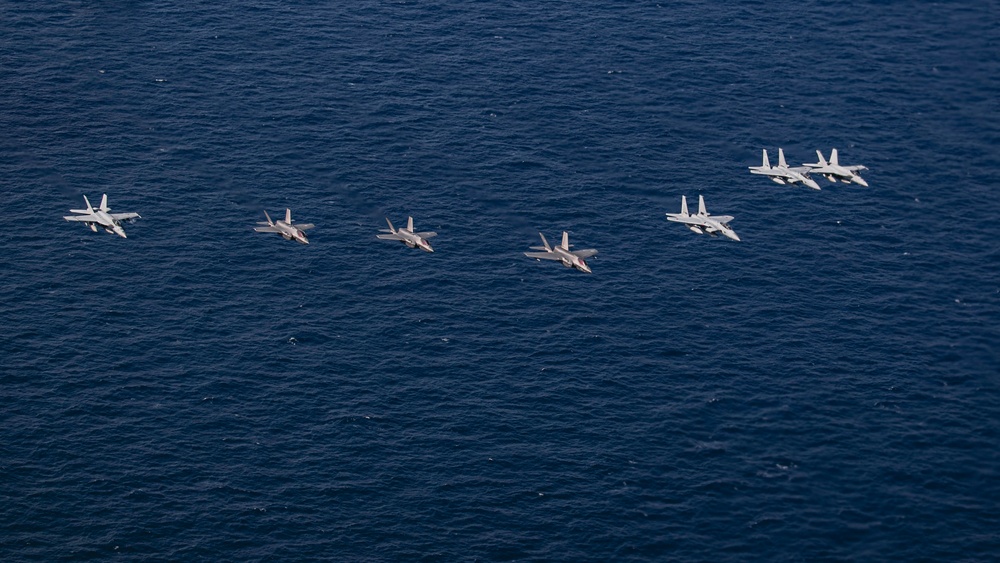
x=389 y=237
x=723 y=218
x=584 y=253
x=303 y=226
x=266 y=230
x=124 y=216
x=428 y=234
x=856 y=167
x=542 y=255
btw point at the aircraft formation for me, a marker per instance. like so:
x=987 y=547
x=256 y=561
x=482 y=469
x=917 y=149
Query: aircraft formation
x=701 y=222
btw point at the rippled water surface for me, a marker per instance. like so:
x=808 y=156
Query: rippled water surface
x=827 y=389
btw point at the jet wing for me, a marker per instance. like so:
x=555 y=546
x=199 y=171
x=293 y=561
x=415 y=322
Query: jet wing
x=389 y=237
x=723 y=218
x=543 y=255
x=94 y=218
x=83 y=218
x=428 y=234
x=124 y=216
x=584 y=253
x=266 y=230
x=303 y=226
x=692 y=220
x=802 y=169
x=856 y=167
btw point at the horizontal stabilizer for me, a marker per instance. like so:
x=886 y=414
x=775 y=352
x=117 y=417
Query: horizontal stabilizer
x=538 y=248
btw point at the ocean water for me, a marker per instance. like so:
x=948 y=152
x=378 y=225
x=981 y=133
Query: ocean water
x=828 y=389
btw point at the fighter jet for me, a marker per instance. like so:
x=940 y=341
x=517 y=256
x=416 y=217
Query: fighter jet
x=833 y=171
x=407 y=236
x=782 y=174
x=285 y=228
x=570 y=259
x=703 y=223
x=110 y=222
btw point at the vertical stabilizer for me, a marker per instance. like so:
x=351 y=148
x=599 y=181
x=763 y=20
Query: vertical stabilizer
x=104 y=203
x=269 y=221
x=684 y=204
x=409 y=224
x=391 y=228
x=821 y=161
x=565 y=241
x=90 y=208
x=701 y=206
x=288 y=216
x=781 y=159
x=767 y=163
x=833 y=158
x=545 y=243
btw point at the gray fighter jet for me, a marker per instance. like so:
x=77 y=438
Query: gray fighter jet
x=833 y=171
x=407 y=236
x=782 y=173
x=100 y=217
x=703 y=223
x=286 y=229
x=570 y=259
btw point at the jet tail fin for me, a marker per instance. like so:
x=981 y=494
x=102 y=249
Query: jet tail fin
x=781 y=158
x=104 y=203
x=684 y=204
x=89 y=210
x=766 y=163
x=545 y=243
x=821 y=161
x=565 y=241
x=701 y=206
x=269 y=221
x=288 y=216
x=409 y=224
x=391 y=228
x=833 y=158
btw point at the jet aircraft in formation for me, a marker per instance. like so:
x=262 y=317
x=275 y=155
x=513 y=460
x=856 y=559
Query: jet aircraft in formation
x=570 y=259
x=407 y=236
x=783 y=174
x=703 y=223
x=101 y=217
x=834 y=171
x=286 y=228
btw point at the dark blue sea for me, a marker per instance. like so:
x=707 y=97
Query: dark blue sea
x=828 y=389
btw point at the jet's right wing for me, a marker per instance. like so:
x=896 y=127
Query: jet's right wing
x=543 y=255
x=303 y=226
x=124 y=216
x=584 y=253
x=428 y=234
x=689 y=220
x=85 y=218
